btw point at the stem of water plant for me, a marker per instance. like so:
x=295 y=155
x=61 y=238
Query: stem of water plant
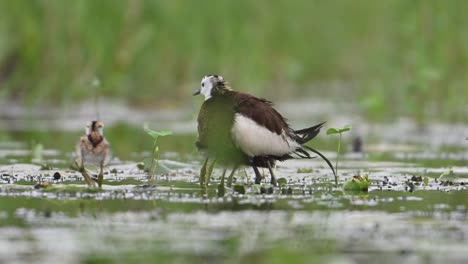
x=337 y=158
x=152 y=169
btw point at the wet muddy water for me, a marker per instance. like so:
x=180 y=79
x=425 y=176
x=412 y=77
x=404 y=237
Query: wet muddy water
x=408 y=214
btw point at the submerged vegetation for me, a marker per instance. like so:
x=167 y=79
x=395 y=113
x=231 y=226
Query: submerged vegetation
x=376 y=54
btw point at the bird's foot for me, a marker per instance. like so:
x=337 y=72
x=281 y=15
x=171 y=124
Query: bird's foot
x=209 y=172
x=258 y=180
x=229 y=181
x=221 y=190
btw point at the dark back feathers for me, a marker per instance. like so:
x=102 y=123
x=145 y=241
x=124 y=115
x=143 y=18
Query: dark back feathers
x=261 y=111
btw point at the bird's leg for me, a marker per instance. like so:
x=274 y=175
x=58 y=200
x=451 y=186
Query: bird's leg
x=229 y=182
x=258 y=176
x=86 y=177
x=273 y=179
x=209 y=172
x=101 y=175
x=222 y=177
x=82 y=169
x=203 y=173
x=221 y=185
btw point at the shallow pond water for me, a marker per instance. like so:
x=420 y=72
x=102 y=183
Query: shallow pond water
x=408 y=215
x=173 y=220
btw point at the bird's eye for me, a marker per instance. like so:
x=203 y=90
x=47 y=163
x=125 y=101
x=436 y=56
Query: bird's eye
x=203 y=85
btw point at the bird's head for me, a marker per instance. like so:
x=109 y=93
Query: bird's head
x=212 y=85
x=95 y=127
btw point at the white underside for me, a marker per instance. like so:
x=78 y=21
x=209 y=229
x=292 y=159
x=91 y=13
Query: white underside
x=256 y=140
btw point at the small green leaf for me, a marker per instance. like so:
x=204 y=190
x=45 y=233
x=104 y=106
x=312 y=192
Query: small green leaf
x=164 y=133
x=332 y=131
x=156 y=134
x=426 y=181
x=448 y=176
x=305 y=170
x=282 y=182
x=141 y=166
x=344 y=129
x=357 y=183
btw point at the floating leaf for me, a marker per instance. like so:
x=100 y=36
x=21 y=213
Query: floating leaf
x=448 y=176
x=357 y=183
x=282 y=182
x=305 y=170
x=141 y=166
x=426 y=181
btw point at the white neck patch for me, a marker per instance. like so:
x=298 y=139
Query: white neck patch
x=206 y=87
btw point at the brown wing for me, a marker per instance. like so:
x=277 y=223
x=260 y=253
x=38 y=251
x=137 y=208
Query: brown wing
x=261 y=111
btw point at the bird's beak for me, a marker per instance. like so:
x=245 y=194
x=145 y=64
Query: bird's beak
x=197 y=92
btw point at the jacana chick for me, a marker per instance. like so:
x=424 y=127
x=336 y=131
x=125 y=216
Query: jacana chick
x=93 y=149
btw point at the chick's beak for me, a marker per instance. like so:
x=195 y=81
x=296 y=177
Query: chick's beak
x=197 y=92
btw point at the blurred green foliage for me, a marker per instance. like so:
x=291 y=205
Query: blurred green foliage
x=391 y=58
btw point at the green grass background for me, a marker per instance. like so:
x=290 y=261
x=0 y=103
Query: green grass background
x=391 y=58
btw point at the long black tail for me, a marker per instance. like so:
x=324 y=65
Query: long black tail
x=305 y=135
x=325 y=159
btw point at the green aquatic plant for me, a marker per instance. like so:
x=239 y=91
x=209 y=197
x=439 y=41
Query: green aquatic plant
x=305 y=170
x=426 y=181
x=282 y=182
x=448 y=177
x=339 y=131
x=155 y=150
x=37 y=152
x=357 y=183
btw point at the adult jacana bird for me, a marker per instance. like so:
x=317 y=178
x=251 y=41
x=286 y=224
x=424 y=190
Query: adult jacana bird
x=237 y=129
